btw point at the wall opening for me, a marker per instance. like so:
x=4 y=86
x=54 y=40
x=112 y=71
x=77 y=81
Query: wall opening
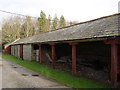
x=46 y=54
x=63 y=56
x=94 y=60
x=35 y=52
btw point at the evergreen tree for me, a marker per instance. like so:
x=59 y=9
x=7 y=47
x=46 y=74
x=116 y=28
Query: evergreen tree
x=49 y=22
x=62 y=22
x=42 y=21
x=55 y=23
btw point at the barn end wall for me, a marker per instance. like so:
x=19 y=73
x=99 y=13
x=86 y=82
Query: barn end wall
x=27 y=52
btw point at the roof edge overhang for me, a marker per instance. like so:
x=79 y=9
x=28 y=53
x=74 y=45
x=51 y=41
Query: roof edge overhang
x=75 y=40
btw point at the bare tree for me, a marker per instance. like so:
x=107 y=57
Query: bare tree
x=11 y=29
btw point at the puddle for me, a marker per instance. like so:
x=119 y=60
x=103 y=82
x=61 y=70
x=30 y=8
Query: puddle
x=24 y=74
x=35 y=75
x=14 y=67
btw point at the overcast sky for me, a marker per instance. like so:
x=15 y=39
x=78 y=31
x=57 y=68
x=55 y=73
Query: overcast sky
x=72 y=10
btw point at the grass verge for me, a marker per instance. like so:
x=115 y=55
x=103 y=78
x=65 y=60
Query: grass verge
x=58 y=75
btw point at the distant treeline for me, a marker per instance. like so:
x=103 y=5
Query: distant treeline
x=21 y=27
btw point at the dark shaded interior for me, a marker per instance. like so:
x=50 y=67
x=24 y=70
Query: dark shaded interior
x=46 y=54
x=96 y=54
x=93 y=59
x=35 y=46
x=63 y=49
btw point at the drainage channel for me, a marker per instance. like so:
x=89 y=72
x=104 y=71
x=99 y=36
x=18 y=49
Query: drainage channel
x=35 y=75
x=24 y=74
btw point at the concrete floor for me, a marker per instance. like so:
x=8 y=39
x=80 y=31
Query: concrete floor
x=12 y=77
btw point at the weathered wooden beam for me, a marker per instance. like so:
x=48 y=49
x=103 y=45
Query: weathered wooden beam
x=40 y=53
x=53 y=54
x=9 y=49
x=21 y=51
x=73 y=43
x=73 y=57
x=114 y=59
x=116 y=41
x=114 y=64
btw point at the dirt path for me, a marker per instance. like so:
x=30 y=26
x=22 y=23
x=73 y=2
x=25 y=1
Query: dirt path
x=15 y=76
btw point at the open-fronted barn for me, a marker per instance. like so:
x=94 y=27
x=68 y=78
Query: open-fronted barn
x=91 y=47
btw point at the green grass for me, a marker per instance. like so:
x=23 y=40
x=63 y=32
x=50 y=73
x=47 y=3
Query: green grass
x=58 y=75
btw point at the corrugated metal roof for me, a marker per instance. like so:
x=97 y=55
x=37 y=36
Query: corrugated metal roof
x=98 y=28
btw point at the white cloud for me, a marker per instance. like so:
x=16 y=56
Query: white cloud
x=80 y=10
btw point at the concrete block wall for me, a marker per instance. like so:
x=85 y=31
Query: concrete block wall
x=15 y=51
x=12 y=50
x=18 y=47
x=27 y=52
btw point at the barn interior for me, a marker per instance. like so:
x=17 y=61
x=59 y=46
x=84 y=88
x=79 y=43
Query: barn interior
x=35 y=52
x=93 y=59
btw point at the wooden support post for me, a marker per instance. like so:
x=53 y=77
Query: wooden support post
x=114 y=60
x=73 y=57
x=53 y=54
x=10 y=50
x=40 y=53
x=114 y=64
x=21 y=52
